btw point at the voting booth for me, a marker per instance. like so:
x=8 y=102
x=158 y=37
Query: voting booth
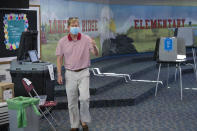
x=171 y=50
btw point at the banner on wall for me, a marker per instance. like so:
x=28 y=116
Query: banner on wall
x=117 y=29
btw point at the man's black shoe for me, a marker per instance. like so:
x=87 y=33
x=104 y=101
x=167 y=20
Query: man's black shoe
x=85 y=127
x=74 y=129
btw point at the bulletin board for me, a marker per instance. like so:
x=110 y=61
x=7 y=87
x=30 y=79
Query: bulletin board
x=12 y=23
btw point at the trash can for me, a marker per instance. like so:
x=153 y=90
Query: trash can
x=23 y=114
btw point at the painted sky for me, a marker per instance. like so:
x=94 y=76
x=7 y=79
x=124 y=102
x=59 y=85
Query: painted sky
x=62 y=9
x=123 y=15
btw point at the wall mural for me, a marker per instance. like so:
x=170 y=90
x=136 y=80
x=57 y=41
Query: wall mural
x=117 y=29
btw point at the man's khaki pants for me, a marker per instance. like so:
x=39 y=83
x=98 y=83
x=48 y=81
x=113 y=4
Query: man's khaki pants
x=77 y=88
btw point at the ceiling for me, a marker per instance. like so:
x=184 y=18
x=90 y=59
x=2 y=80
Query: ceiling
x=146 y=2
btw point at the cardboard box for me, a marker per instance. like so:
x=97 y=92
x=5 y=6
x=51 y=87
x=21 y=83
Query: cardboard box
x=6 y=91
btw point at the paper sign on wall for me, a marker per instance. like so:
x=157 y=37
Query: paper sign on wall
x=168 y=44
x=7 y=94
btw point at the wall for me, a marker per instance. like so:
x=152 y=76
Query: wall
x=137 y=25
x=34 y=2
x=117 y=29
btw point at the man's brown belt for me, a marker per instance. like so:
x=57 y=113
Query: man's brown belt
x=77 y=70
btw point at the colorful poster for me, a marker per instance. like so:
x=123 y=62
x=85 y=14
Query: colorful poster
x=14 y=25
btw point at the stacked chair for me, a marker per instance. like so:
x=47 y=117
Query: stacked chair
x=187 y=33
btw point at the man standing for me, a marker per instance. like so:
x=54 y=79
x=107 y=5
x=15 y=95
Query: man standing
x=75 y=48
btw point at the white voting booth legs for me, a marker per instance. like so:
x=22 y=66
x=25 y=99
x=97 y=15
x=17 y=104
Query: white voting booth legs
x=180 y=78
x=194 y=58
